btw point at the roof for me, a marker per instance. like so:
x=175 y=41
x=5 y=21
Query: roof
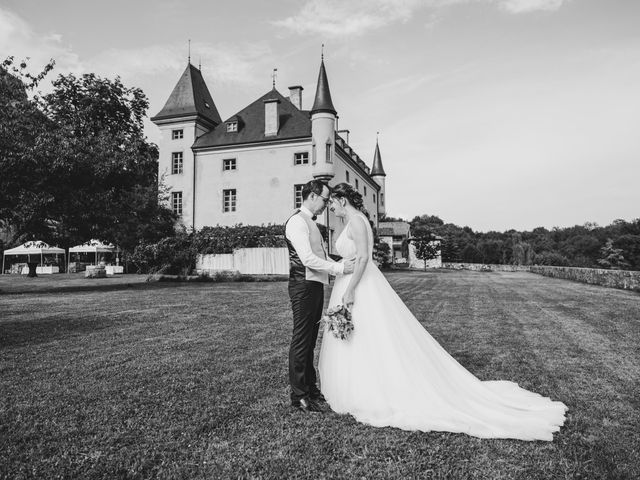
x=35 y=247
x=393 y=229
x=190 y=96
x=322 y=102
x=293 y=123
x=93 y=246
x=377 y=169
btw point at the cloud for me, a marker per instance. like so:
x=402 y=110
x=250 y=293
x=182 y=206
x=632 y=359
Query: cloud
x=527 y=6
x=224 y=63
x=237 y=63
x=18 y=39
x=337 y=18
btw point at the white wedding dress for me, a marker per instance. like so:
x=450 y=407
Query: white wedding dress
x=391 y=372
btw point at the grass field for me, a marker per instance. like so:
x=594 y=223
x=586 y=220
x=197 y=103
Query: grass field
x=162 y=380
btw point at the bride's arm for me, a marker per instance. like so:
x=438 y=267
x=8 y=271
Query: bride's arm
x=358 y=233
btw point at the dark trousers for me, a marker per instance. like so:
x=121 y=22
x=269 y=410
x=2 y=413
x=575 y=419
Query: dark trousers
x=307 y=298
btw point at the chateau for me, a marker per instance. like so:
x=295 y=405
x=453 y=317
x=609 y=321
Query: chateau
x=250 y=168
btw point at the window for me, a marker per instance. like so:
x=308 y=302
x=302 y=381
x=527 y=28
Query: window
x=177 y=134
x=229 y=202
x=328 y=153
x=301 y=158
x=365 y=190
x=176 y=202
x=382 y=198
x=232 y=127
x=297 y=195
x=357 y=185
x=229 y=164
x=176 y=162
x=374 y=198
x=347 y=172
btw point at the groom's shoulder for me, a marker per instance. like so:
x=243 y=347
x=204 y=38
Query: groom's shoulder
x=295 y=214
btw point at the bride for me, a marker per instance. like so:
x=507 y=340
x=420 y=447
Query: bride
x=391 y=372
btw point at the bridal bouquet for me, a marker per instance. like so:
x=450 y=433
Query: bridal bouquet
x=338 y=321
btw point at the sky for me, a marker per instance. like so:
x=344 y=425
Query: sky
x=495 y=114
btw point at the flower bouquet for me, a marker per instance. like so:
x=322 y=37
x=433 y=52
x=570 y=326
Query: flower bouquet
x=338 y=321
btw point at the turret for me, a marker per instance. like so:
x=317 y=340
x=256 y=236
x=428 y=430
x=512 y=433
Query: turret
x=188 y=114
x=323 y=126
x=378 y=175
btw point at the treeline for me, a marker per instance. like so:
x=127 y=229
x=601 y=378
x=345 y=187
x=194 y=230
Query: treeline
x=615 y=246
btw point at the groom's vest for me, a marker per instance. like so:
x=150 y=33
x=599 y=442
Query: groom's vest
x=297 y=271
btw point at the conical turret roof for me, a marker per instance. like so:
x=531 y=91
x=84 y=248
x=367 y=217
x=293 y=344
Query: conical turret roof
x=322 y=102
x=377 y=168
x=190 y=96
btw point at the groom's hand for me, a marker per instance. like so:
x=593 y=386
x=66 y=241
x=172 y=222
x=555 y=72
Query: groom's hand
x=349 y=265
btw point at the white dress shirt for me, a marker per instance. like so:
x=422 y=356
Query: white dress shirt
x=304 y=235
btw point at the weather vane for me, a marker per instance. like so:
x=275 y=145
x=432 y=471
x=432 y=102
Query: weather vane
x=189 y=57
x=322 y=53
x=273 y=77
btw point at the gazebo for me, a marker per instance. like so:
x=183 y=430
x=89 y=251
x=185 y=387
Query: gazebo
x=35 y=247
x=92 y=246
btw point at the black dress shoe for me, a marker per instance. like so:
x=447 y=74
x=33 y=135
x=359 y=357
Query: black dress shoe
x=318 y=397
x=307 y=405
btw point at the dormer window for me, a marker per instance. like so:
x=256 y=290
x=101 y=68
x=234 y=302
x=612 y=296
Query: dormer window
x=206 y=105
x=232 y=126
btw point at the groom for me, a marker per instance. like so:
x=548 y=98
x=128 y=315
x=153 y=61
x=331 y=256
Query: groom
x=309 y=271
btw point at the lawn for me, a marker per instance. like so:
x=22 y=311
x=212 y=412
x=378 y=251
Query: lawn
x=177 y=380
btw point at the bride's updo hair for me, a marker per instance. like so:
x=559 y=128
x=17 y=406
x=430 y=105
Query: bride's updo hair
x=345 y=190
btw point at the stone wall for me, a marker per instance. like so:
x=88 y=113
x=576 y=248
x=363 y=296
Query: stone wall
x=484 y=267
x=624 y=279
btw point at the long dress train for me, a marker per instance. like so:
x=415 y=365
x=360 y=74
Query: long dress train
x=391 y=372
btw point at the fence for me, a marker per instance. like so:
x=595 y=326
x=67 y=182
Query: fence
x=252 y=261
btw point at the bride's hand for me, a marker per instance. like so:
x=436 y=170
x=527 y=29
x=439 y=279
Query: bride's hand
x=347 y=299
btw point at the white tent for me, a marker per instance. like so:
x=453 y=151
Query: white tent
x=35 y=247
x=92 y=246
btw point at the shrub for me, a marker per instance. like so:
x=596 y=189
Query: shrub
x=227 y=239
x=177 y=255
x=551 y=258
x=171 y=255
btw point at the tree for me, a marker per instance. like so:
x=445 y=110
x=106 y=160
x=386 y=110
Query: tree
x=630 y=246
x=470 y=254
x=426 y=248
x=522 y=253
x=551 y=258
x=382 y=253
x=611 y=257
x=84 y=168
x=24 y=186
x=450 y=249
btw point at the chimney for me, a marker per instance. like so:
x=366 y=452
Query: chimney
x=345 y=136
x=295 y=95
x=271 y=117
